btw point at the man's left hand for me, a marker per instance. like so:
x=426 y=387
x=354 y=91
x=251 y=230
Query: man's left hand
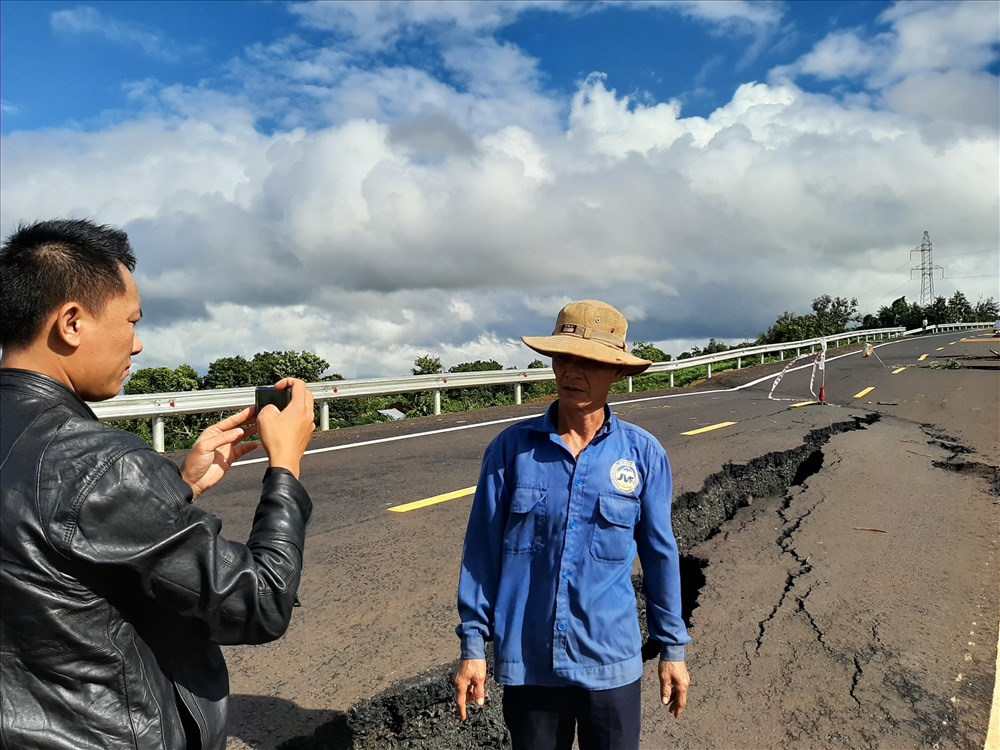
x=216 y=449
x=674 y=681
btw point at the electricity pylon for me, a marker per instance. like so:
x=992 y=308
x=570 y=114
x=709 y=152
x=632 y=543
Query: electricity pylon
x=926 y=269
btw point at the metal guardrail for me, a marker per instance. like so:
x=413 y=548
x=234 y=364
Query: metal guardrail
x=159 y=406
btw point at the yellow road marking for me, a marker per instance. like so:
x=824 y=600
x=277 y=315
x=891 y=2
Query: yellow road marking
x=708 y=429
x=432 y=500
x=921 y=358
x=804 y=403
x=952 y=343
x=865 y=392
x=992 y=340
x=939 y=349
x=898 y=370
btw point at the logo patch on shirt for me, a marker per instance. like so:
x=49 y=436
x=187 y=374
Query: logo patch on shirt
x=624 y=475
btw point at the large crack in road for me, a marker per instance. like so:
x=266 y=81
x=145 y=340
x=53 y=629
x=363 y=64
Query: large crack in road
x=419 y=714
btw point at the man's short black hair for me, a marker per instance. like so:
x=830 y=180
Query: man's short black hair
x=47 y=263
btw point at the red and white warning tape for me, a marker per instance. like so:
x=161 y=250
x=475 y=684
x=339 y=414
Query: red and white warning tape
x=819 y=364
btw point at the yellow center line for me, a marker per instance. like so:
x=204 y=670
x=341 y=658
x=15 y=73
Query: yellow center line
x=803 y=403
x=865 y=392
x=921 y=358
x=939 y=349
x=432 y=500
x=709 y=428
x=898 y=370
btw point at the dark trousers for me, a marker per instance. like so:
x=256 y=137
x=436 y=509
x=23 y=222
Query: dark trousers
x=544 y=718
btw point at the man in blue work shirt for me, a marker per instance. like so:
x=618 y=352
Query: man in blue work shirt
x=563 y=504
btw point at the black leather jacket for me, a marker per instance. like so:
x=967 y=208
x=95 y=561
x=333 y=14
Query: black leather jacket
x=116 y=590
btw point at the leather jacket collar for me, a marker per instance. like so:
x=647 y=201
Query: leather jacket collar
x=34 y=384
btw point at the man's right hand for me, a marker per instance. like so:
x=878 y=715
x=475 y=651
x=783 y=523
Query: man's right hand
x=470 y=683
x=285 y=434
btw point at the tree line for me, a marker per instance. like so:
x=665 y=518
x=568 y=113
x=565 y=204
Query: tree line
x=829 y=316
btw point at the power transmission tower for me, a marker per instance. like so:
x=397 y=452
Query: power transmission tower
x=926 y=269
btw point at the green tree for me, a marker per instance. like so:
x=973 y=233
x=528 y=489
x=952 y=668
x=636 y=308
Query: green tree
x=985 y=310
x=422 y=404
x=163 y=380
x=427 y=365
x=480 y=365
x=541 y=389
x=645 y=350
x=959 y=309
x=937 y=312
x=834 y=313
x=790 y=327
x=487 y=395
x=179 y=432
x=264 y=369
x=900 y=313
x=229 y=372
x=270 y=367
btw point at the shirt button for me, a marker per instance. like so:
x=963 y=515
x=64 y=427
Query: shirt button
x=572 y=524
x=561 y=627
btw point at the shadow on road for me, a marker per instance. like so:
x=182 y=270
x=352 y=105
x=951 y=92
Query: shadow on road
x=259 y=709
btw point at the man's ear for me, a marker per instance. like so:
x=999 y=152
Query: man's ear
x=69 y=323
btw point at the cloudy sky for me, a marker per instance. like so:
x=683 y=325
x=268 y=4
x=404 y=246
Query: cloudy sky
x=377 y=181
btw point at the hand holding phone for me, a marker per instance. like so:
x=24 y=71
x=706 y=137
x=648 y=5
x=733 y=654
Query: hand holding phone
x=268 y=394
x=285 y=431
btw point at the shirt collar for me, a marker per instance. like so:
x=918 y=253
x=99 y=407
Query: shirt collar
x=550 y=420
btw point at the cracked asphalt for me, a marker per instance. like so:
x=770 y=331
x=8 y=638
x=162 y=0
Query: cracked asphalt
x=840 y=573
x=840 y=616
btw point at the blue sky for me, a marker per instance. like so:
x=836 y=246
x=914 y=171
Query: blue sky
x=72 y=62
x=375 y=181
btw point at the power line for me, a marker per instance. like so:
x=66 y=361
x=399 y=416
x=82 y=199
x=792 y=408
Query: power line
x=971 y=252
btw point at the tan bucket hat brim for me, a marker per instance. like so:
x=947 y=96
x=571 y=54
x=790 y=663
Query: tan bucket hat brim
x=591 y=330
x=566 y=344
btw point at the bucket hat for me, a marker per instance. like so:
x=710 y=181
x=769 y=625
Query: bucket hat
x=592 y=330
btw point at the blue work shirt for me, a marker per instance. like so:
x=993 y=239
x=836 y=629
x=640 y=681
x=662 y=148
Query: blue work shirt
x=549 y=551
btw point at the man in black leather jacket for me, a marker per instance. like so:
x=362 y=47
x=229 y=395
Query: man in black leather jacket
x=117 y=588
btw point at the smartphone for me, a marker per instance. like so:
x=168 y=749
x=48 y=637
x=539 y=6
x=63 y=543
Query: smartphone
x=268 y=394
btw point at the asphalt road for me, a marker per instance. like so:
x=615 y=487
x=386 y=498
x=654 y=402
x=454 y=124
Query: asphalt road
x=841 y=559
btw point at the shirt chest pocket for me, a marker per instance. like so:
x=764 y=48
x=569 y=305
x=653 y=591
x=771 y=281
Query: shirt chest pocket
x=614 y=526
x=525 y=531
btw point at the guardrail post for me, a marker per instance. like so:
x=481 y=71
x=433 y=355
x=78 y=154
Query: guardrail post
x=159 y=445
x=762 y=357
x=629 y=383
x=709 y=369
x=324 y=416
x=517 y=393
x=739 y=363
x=437 y=402
x=781 y=356
x=671 y=378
